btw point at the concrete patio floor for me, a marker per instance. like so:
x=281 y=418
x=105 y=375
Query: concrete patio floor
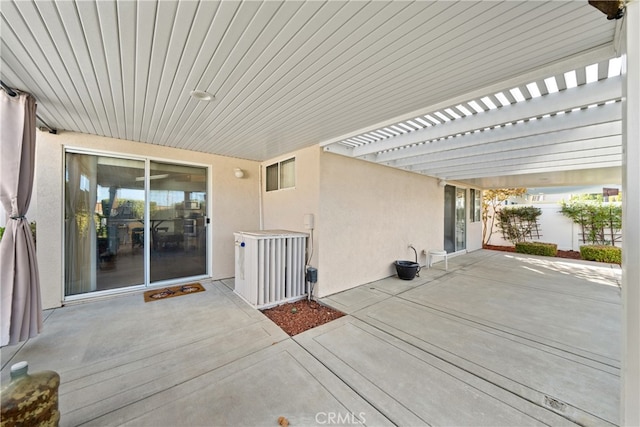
x=498 y=339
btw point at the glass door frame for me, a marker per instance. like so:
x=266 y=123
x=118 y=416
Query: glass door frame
x=147 y=238
x=453 y=219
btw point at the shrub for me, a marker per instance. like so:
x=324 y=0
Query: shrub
x=1 y=232
x=519 y=223
x=537 y=248
x=601 y=253
x=600 y=224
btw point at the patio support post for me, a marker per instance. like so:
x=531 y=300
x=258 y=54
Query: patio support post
x=630 y=394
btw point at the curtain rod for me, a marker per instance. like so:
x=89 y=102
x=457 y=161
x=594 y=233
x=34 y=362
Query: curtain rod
x=11 y=92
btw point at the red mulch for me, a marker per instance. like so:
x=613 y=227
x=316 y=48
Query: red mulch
x=561 y=254
x=299 y=316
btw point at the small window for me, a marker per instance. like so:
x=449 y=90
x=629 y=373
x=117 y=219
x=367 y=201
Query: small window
x=281 y=175
x=475 y=213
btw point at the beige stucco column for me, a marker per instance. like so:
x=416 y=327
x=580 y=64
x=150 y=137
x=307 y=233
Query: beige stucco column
x=630 y=396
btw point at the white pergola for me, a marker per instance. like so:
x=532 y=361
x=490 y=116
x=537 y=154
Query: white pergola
x=548 y=130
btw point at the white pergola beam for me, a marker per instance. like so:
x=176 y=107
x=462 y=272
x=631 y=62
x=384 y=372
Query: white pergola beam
x=606 y=114
x=581 y=96
x=590 y=158
x=530 y=169
x=573 y=149
x=522 y=145
x=630 y=373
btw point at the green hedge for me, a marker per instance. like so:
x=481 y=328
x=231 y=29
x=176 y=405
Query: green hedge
x=537 y=248
x=601 y=253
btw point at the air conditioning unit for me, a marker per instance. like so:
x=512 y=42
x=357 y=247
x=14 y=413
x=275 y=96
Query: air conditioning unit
x=270 y=266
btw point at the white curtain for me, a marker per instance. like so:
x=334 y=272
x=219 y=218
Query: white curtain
x=80 y=227
x=21 y=316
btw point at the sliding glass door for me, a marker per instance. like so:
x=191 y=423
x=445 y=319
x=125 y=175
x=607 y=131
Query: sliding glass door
x=455 y=224
x=177 y=207
x=128 y=227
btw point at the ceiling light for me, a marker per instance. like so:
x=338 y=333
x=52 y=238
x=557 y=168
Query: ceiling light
x=201 y=95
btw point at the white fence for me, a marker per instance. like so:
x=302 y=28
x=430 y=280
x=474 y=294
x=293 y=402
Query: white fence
x=554 y=228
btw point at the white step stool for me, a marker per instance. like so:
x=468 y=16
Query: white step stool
x=441 y=254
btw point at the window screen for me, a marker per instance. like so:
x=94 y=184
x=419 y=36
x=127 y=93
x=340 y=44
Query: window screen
x=272 y=177
x=288 y=173
x=281 y=175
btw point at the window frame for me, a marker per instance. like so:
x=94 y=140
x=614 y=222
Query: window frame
x=475 y=211
x=279 y=172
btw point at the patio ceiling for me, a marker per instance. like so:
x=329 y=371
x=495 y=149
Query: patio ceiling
x=289 y=75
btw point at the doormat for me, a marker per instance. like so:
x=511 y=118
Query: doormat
x=173 y=291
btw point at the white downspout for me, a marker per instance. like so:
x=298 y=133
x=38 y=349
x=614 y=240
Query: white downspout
x=260 y=202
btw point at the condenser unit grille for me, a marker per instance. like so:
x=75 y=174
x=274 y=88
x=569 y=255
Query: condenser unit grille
x=270 y=266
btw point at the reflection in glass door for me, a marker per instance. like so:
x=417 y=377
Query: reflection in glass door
x=461 y=219
x=177 y=220
x=455 y=225
x=104 y=214
x=132 y=222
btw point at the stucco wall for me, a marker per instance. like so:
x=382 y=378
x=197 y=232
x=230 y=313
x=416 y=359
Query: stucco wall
x=285 y=209
x=369 y=215
x=234 y=201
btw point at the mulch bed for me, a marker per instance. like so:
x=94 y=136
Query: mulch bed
x=299 y=316
x=561 y=254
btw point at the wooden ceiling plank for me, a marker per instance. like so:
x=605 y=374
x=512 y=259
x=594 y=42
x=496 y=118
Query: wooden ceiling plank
x=412 y=85
x=184 y=107
x=195 y=55
x=175 y=54
x=327 y=24
x=92 y=34
x=227 y=53
x=145 y=27
x=162 y=33
x=364 y=102
x=345 y=50
x=367 y=60
x=458 y=79
x=274 y=38
x=28 y=53
x=47 y=13
x=127 y=17
x=108 y=18
x=30 y=82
